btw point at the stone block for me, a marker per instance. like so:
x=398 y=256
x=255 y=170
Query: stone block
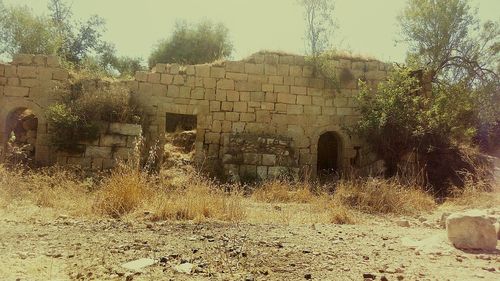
x=257 y=78
x=267 y=87
x=247 y=117
x=202 y=70
x=11 y=91
x=53 y=61
x=305 y=100
x=283 y=70
x=214 y=105
x=145 y=89
x=218 y=72
x=240 y=106
x=174 y=68
x=244 y=96
x=159 y=90
x=262 y=172
x=198 y=93
x=113 y=140
x=298 y=90
x=232 y=116
x=269 y=159
x=271 y=59
x=60 y=74
x=179 y=80
x=123 y=153
x=301 y=81
x=307 y=71
x=295 y=70
x=212 y=138
x=294 y=109
x=252 y=68
x=248 y=86
x=251 y=158
x=238 y=127
x=312 y=109
x=190 y=70
x=281 y=89
x=97 y=151
x=125 y=129
x=248 y=171
x=270 y=69
x=27 y=71
x=154 y=77
x=472 y=230
x=257 y=96
x=287 y=98
x=141 y=76
x=209 y=83
x=225 y=84
x=173 y=91
x=235 y=66
x=270 y=97
x=22 y=59
x=166 y=79
x=11 y=71
x=345 y=111
x=237 y=76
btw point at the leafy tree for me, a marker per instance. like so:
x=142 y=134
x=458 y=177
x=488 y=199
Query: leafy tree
x=445 y=37
x=193 y=44
x=23 y=32
x=448 y=42
x=320 y=24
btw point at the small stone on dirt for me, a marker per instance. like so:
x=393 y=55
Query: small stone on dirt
x=403 y=223
x=138 y=265
x=185 y=268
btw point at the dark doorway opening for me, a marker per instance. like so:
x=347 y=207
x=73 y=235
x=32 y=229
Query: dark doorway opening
x=21 y=132
x=328 y=155
x=180 y=122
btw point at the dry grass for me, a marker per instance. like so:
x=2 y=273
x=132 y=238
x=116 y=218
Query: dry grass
x=282 y=191
x=378 y=196
x=199 y=201
x=123 y=192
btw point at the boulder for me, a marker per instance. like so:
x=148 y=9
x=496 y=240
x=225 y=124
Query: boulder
x=471 y=230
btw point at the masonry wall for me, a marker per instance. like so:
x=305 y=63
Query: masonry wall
x=266 y=95
x=254 y=117
x=116 y=142
x=29 y=82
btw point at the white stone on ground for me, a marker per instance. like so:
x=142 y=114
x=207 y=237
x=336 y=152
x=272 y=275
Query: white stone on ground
x=471 y=230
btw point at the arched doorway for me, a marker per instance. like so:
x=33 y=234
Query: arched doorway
x=329 y=155
x=20 y=135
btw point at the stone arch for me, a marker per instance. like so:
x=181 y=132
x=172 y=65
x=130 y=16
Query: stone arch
x=7 y=111
x=344 y=150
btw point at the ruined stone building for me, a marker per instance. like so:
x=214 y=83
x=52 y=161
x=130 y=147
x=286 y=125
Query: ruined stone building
x=268 y=114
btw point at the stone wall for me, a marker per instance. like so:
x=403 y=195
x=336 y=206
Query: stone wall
x=274 y=97
x=266 y=95
x=28 y=83
x=116 y=142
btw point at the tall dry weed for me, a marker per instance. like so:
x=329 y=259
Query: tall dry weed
x=283 y=191
x=381 y=196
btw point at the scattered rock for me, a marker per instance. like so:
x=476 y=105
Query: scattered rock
x=471 y=230
x=138 y=265
x=403 y=223
x=249 y=277
x=369 y=276
x=308 y=276
x=185 y=268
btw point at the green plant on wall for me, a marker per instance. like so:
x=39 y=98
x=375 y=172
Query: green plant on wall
x=82 y=111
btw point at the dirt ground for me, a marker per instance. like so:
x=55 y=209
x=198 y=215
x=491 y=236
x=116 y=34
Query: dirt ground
x=42 y=244
x=39 y=244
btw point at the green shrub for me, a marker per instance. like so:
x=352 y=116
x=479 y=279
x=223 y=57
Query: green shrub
x=84 y=107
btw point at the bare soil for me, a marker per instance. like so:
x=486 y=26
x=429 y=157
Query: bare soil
x=38 y=244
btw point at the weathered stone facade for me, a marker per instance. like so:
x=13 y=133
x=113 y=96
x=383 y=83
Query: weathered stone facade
x=116 y=141
x=254 y=117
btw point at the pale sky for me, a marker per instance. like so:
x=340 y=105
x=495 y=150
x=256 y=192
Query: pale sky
x=367 y=27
